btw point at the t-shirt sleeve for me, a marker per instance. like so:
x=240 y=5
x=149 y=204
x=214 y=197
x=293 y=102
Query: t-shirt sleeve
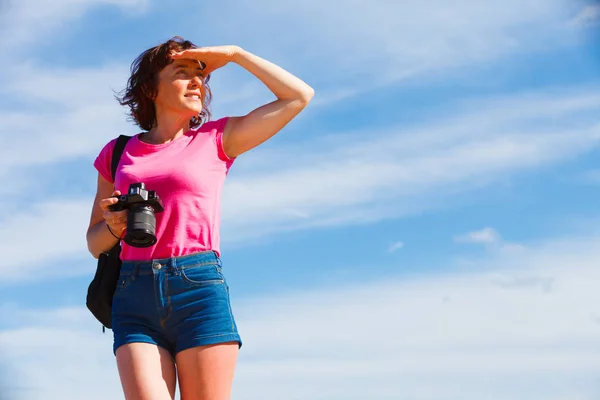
x=103 y=161
x=219 y=129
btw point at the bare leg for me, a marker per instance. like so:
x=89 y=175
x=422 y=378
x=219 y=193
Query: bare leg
x=206 y=372
x=147 y=372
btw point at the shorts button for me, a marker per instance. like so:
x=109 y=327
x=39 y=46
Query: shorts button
x=157 y=266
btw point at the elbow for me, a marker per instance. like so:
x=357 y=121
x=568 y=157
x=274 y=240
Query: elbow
x=94 y=252
x=90 y=248
x=307 y=95
x=299 y=98
x=303 y=98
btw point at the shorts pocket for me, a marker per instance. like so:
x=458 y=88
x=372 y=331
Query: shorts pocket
x=201 y=275
x=123 y=283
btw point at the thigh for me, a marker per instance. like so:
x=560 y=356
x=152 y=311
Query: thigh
x=147 y=372
x=206 y=372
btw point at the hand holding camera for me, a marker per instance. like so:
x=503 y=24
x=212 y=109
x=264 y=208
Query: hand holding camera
x=136 y=211
x=116 y=220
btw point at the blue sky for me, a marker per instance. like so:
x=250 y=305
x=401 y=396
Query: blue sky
x=426 y=229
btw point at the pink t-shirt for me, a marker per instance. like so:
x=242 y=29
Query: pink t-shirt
x=187 y=174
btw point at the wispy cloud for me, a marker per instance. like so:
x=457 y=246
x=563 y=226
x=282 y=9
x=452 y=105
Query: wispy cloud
x=395 y=246
x=73 y=111
x=404 y=332
x=485 y=236
x=24 y=22
x=402 y=171
x=490 y=239
x=358 y=45
x=47 y=231
x=591 y=176
x=589 y=15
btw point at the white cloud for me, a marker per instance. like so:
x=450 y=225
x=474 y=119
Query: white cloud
x=24 y=22
x=53 y=362
x=485 y=236
x=591 y=177
x=589 y=15
x=47 y=232
x=357 y=45
x=69 y=113
x=395 y=246
x=492 y=241
x=529 y=320
x=363 y=177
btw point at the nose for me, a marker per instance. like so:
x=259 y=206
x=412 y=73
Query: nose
x=196 y=81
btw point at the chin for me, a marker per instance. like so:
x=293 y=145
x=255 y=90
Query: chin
x=191 y=105
x=191 y=111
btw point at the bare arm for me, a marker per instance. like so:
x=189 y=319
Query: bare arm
x=99 y=238
x=246 y=132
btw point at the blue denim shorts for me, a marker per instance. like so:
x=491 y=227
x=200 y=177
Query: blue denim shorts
x=176 y=303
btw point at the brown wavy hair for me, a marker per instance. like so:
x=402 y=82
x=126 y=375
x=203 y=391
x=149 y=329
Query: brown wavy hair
x=142 y=86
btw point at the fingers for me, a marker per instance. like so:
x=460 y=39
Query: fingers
x=192 y=54
x=116 y=220
x=181 y=54
x=105 y=203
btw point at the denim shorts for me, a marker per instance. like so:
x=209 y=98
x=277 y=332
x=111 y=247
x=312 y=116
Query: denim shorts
x=176 y=303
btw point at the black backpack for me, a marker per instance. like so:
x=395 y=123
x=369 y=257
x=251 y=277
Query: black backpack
x=102 y=288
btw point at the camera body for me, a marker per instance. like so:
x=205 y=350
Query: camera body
x=142 y=205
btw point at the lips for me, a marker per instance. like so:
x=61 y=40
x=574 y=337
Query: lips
x=194 y=96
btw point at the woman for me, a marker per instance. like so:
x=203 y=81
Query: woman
x=171 y=308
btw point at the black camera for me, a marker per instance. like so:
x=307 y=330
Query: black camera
x=141 y=204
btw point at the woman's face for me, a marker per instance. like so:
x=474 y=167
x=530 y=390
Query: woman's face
x=180 y=89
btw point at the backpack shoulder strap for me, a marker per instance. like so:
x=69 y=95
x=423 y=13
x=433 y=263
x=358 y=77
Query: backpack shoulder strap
x=117 y=152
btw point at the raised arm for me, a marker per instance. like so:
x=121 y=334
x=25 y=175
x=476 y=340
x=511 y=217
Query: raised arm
x=246 y=132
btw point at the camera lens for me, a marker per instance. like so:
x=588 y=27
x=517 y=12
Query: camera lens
x=141 y=226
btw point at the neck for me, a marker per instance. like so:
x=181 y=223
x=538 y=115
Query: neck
x=167 y=128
